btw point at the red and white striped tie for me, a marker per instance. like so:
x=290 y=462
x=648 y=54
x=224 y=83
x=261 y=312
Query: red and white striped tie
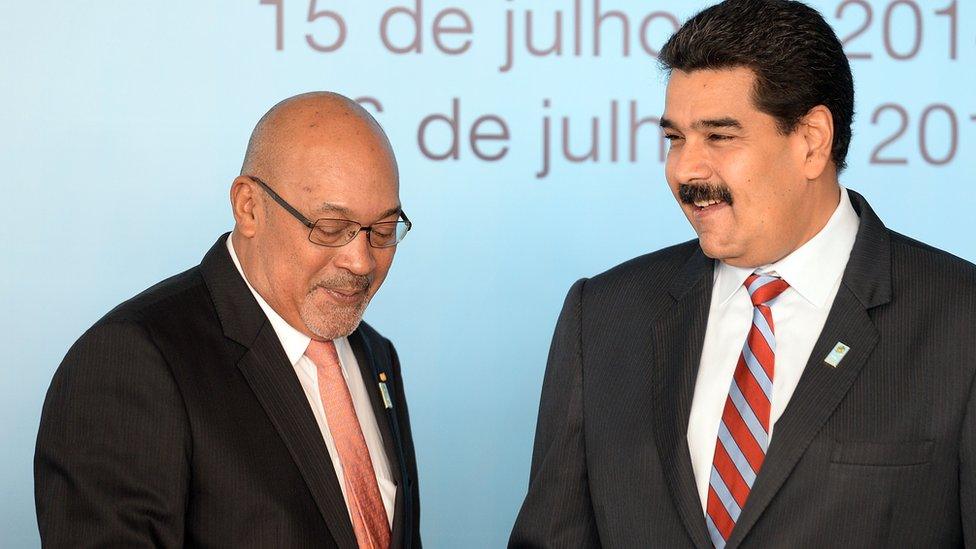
x=743 y=433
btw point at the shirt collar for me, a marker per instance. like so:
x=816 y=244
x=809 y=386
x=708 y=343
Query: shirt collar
x=811 y=270
x=292 y=341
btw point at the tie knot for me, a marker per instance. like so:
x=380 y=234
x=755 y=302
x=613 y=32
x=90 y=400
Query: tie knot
x=764 y=288
x=322 y=353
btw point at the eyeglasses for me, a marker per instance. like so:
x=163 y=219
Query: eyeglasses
x=335 y=233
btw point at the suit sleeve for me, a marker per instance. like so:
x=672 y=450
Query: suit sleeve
x=111 y=462
x=404 y=420
x=967 y=471
x=557 y=511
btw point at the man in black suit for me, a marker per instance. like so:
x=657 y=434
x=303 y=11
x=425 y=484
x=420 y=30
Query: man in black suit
x=243 y=403
x=799 y=375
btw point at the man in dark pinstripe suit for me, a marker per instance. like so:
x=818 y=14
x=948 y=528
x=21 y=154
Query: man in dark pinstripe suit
x=243 y=403
x=799 y=375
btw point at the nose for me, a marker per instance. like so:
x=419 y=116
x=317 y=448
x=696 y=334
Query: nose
x=357 y=256
x=689 y=162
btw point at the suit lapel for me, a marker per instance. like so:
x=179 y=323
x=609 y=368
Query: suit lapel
x=370 y=366
x=273 y=381
x=676 y=342
x=278 y=390
x=820 y=390
x=866 y=284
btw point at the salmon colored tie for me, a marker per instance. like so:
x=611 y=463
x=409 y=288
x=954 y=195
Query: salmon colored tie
x=369 y=519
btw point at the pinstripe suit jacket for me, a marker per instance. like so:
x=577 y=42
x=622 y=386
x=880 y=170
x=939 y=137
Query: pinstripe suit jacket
x=177 y=420
x=877 y=452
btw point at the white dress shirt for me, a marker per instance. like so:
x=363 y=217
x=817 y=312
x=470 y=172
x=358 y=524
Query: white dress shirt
x=295 y=343
x=814 y=272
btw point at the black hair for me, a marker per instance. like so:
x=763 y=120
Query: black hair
x=797 y=58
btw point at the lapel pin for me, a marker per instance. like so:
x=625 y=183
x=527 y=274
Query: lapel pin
x=837 y=354
x=387 y=401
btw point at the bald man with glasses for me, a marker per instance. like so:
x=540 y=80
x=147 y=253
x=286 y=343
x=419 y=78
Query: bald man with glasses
x=244 y=403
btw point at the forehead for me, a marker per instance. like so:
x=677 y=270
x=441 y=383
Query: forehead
x=354 y=171
x=710 y=94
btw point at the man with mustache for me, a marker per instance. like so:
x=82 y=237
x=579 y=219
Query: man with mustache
x=243 y=403
x=797 y=376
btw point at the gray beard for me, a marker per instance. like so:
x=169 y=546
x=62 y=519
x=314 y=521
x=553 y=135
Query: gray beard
x=333 y=324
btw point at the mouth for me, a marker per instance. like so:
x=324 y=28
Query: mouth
x=705 y=198
x=702 y=205
x=345 y=296
x=704 y=214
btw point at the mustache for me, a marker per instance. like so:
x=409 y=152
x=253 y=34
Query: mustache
x=345 y=281
x=703 y=192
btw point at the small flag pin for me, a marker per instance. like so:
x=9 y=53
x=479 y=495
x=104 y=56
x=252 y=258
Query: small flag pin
x=837 y=354
x=387 y=401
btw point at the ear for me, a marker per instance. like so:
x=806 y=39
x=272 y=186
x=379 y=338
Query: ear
x=245 y=205
x=817 y=129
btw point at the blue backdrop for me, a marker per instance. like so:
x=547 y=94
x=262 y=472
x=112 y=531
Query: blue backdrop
x=123 y=124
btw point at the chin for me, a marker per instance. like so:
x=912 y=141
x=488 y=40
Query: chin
x=714 y=249
x=728 y=255
x=332 y=328
x=330 y=322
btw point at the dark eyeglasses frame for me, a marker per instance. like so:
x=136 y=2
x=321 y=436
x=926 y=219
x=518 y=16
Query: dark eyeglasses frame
x=311 y=224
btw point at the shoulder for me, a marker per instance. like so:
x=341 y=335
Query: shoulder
x=933 y=288
x=915 y=262
x=637 y=288
x=178 y=312
x=132 y=332
x=120 y=357
x=161 y=299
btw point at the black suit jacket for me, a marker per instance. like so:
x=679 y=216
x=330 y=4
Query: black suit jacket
x=177 y=420
x=877 y=452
